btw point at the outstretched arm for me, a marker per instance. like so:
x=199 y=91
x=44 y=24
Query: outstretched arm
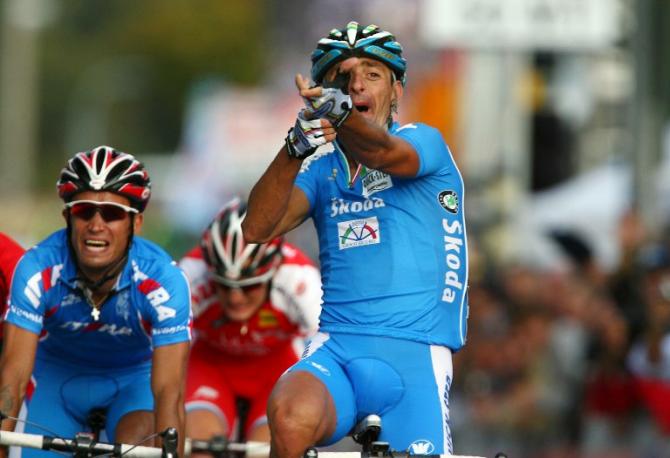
x=168 y=373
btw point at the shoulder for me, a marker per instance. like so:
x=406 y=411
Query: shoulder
x=52 y=251
x=152 y=267
x=193 y=264
x=417 y=130
x=297 y=275
x=292 y=255
x=322 y=156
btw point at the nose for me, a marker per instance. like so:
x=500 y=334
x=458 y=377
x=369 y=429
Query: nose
x=236 y=296
x=356 y=82
x=96 y=222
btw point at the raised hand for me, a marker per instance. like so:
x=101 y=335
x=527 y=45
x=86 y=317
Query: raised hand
x=330 y=101
x=308 y=134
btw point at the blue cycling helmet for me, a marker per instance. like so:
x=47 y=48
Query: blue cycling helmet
x=357 y=41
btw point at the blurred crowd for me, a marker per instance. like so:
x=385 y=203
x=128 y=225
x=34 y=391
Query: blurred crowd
x=571 y=361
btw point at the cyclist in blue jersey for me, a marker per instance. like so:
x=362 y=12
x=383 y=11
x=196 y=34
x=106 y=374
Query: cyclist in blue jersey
x=98 y=318
x=387 y=204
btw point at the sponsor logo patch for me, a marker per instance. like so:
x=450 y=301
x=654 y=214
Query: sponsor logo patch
x=358 y=232
x=375 y=181
x=267 y=319
x=449 y=201
x=421 y=447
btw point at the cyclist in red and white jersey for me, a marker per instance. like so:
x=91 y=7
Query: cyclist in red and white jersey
x=10 y=253
x=253 y=306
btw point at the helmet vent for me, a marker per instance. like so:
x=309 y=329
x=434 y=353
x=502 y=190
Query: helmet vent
x=352 y=31
x=97 y=183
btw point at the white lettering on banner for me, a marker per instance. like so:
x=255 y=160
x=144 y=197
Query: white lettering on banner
x=452 y=248
x=32 y=290
x=341 y=206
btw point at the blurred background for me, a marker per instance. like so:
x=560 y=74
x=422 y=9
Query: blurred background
x=556 y=110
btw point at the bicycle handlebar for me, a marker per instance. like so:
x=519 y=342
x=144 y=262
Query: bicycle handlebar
x=38 y=441
x=220 y=446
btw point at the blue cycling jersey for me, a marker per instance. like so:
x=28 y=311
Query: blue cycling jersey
x=149 y=306
x=393 y=251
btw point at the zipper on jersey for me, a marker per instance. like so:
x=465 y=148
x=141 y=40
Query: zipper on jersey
x=361 y=170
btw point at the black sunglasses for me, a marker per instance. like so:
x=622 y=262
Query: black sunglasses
x=109 y=211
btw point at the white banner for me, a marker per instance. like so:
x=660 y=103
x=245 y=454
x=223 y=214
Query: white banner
x=520 y=24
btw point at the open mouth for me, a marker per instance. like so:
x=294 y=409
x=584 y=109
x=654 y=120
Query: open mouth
x=96 y=244
x=362 y=108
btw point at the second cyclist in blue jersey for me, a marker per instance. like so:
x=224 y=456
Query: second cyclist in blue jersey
x=98 y=318
x=387 y=204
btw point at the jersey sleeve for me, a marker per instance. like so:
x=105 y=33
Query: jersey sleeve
x=308 y=176
x=429 y=145
x=195 y=268
x=169 y=299
x=26 y=303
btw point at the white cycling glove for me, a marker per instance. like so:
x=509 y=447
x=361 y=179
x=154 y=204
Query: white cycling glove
x=304 y=137
x=334 y=103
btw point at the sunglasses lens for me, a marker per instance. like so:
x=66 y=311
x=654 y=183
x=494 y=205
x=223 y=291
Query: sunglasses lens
x=83 y=211
x=109 y=213
x=247 y=289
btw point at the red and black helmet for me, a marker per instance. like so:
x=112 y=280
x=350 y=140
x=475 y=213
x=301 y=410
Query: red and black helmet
x=231 y=260
x=106 y=169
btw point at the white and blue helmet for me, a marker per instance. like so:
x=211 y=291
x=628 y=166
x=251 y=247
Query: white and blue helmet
x=357 y=41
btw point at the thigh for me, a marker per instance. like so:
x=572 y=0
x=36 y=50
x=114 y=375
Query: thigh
x=134 y=395
x=327 y=372
x=45 y=407
x=207 y=390
x=259 y=385
x=418 y=423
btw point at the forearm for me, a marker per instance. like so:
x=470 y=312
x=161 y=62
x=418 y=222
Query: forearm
x=269 y=198
x=169 y=413
x=364 y=140
x=10 y=402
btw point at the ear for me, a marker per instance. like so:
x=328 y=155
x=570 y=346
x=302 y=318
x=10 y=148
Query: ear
x=138 y=220
x=65 y=214
x=397 y=90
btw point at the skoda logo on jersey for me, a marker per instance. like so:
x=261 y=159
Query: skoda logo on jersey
x=358 y=232
x=421 y=447
x=449 y=201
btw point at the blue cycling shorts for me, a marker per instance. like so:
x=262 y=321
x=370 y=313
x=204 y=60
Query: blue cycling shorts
x=406 y=383
x=64 y=395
